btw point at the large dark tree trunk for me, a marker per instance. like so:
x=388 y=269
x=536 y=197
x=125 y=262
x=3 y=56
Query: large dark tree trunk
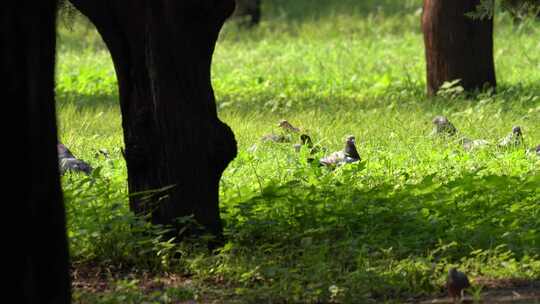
x=162 y=51
x=457 y=46
x=27 y=50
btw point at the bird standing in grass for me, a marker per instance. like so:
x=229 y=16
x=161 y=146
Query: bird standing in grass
x=471 y=144
x=349 y=154
x=456 y=283
x=442 y=126
x=278 y=138
x=534 y=151
x=513 y=139
x=288 y=127
x=68 y=162
x=286 y=136
x=305 y=140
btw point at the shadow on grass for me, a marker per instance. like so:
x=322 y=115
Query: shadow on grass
x=474 y=210
x=508 y=98
x=87 y=102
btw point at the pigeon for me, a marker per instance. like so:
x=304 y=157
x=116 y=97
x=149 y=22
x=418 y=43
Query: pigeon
x=278 y=138
x=443 y=127
x=457 y=281
x=472 y=144
x=348 y=155
x=286 y=135
x=305 y=140
x=68 y=162
x=534 y=151
x=513 y=139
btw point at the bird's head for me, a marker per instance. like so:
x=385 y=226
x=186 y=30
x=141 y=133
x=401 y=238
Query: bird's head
x=516 y=130
x=284 y=124
x=350 y=140
x=440 y=120
x=305 y=139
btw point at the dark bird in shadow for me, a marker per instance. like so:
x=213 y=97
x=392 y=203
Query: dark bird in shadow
x=68 y=162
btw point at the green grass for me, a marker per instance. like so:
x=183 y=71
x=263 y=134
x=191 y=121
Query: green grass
x=382 y=230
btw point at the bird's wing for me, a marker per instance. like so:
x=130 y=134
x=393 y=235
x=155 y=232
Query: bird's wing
x=333 y=158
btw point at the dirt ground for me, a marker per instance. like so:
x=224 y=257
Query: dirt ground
x=496 y=291
x=96 y=280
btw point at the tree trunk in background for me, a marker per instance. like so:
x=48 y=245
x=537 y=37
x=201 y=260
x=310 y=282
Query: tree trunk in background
x=27 y=39
x=456 y=46
x=162 y=53
x=248 y=9
x=521 y=9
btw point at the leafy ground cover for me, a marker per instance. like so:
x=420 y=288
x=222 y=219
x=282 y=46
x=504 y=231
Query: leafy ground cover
x=383 y=230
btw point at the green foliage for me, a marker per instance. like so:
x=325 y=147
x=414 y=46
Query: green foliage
x=384 y=229
x=101 y=229
x=451 y=89
x=519 y=9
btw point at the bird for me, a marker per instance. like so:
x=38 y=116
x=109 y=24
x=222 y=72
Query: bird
x=349 y=154
x=288 y=127
x=278 y=138
x=456 y=282
x=534 y=151
x=305 y=140
x=443 y=126
x=513 y=139
x=471 y=144
x=68 y=162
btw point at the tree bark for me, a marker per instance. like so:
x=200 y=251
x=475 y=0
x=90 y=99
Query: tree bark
x=457 y=46
x=162 y=52
x=27 y=52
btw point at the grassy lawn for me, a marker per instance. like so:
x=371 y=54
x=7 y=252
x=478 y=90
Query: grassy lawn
x=383 y=230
